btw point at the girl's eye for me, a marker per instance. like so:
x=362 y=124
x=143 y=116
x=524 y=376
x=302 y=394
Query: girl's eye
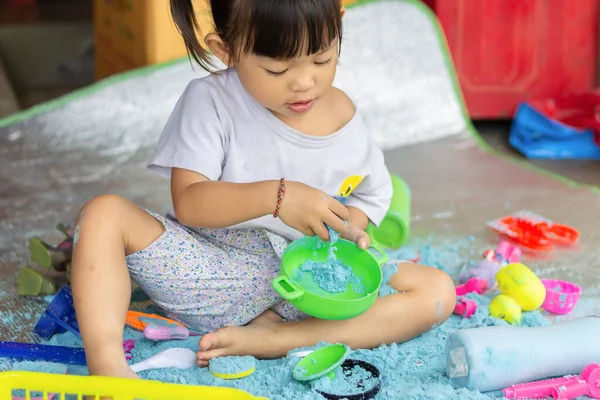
x=324 y=62
x=275 y=73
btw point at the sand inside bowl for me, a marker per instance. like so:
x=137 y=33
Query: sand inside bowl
x=332 y=275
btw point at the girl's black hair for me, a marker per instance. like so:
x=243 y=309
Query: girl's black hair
x=278 y=29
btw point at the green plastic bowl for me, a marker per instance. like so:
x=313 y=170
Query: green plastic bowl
x=304 y=293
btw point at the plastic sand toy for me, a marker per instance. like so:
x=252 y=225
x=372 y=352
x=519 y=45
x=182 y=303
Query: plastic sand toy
x=52 y=354
x=533 y=231
x=58 y=258
x=491 y=262
x=301 y=289
x=521 y=290
x=567 y=387
x=495 y=357
x=465 y=308
x=175 y=357
x=50 y=368
x=334 y=376
x=321 y=362
x=233 y=367
x=561 y=296
x=59 y=316
x=394 y=230
x=32 y=283
x=43 y=352
x=476 y=285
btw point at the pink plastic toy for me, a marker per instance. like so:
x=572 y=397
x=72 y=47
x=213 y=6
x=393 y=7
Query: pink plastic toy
x=164 y=332
x=128 y=345
x=567 y=387
x=472 y=285
x=561 y=296
x=504 y=254
x=465 y=308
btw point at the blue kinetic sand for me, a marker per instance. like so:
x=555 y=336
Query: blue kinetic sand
x=414 y=370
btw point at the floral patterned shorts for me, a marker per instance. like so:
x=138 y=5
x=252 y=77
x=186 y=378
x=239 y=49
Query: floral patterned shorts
x=211 y=278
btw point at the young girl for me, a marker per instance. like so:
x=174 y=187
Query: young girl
x=258 y=154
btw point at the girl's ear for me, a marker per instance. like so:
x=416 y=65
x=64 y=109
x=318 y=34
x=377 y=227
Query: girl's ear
x=343 y=11
x=216 y=46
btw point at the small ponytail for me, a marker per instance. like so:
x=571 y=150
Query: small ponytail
x=186 y=22
x=278 y=29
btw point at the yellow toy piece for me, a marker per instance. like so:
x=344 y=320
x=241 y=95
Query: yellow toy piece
x=114 y=388
x=349 y=184
x=506 y=308
x=520 y=283
x=233 y=376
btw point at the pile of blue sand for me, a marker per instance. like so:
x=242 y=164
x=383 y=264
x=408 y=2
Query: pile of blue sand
x=413 y=370
x=232 y=365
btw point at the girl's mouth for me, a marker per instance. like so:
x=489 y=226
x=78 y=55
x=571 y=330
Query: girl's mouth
x=300 y=106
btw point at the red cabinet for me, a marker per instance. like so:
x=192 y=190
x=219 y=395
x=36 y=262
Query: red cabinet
x=508 y=51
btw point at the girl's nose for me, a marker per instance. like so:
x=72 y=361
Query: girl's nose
x=302 y=83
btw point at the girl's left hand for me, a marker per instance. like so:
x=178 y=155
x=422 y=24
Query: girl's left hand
x=358 y=236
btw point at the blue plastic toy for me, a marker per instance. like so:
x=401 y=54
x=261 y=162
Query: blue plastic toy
x=59 y=316
x=536 y=135
x=43 y=352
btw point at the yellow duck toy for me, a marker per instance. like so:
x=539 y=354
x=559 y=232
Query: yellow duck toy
x=521 y=290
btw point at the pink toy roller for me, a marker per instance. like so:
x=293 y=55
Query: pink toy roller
x=465 y=308
x=561 y=296
x=472 y=285
x=164 y=332
x=567 y=387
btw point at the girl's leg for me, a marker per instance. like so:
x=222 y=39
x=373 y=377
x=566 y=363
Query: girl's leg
x=109 y=228
x=426 y=297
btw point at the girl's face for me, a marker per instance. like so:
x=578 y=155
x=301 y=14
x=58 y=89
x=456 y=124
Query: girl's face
x=289 y=88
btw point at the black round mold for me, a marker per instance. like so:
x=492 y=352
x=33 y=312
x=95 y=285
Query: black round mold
x=369 y=394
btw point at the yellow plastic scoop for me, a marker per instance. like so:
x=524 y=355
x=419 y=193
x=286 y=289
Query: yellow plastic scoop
x=232 y=367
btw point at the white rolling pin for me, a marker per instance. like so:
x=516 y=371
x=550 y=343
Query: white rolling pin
x=496 y=357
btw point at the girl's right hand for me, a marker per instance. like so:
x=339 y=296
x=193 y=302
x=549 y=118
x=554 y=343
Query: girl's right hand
x=307 y=210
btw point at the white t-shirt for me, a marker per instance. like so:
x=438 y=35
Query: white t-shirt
x=218 y=130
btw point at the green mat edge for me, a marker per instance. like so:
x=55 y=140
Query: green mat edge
x=95 y=87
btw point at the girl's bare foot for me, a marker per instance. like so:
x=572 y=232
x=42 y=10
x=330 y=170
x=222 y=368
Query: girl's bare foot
x=256 y=339
x=425 y=296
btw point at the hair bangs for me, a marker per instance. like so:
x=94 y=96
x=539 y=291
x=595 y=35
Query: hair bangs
x=286 y=29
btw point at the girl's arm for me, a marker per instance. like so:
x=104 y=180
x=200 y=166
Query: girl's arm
x=200 y=202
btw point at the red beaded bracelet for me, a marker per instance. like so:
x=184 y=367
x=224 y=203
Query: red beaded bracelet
x=280 y=196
